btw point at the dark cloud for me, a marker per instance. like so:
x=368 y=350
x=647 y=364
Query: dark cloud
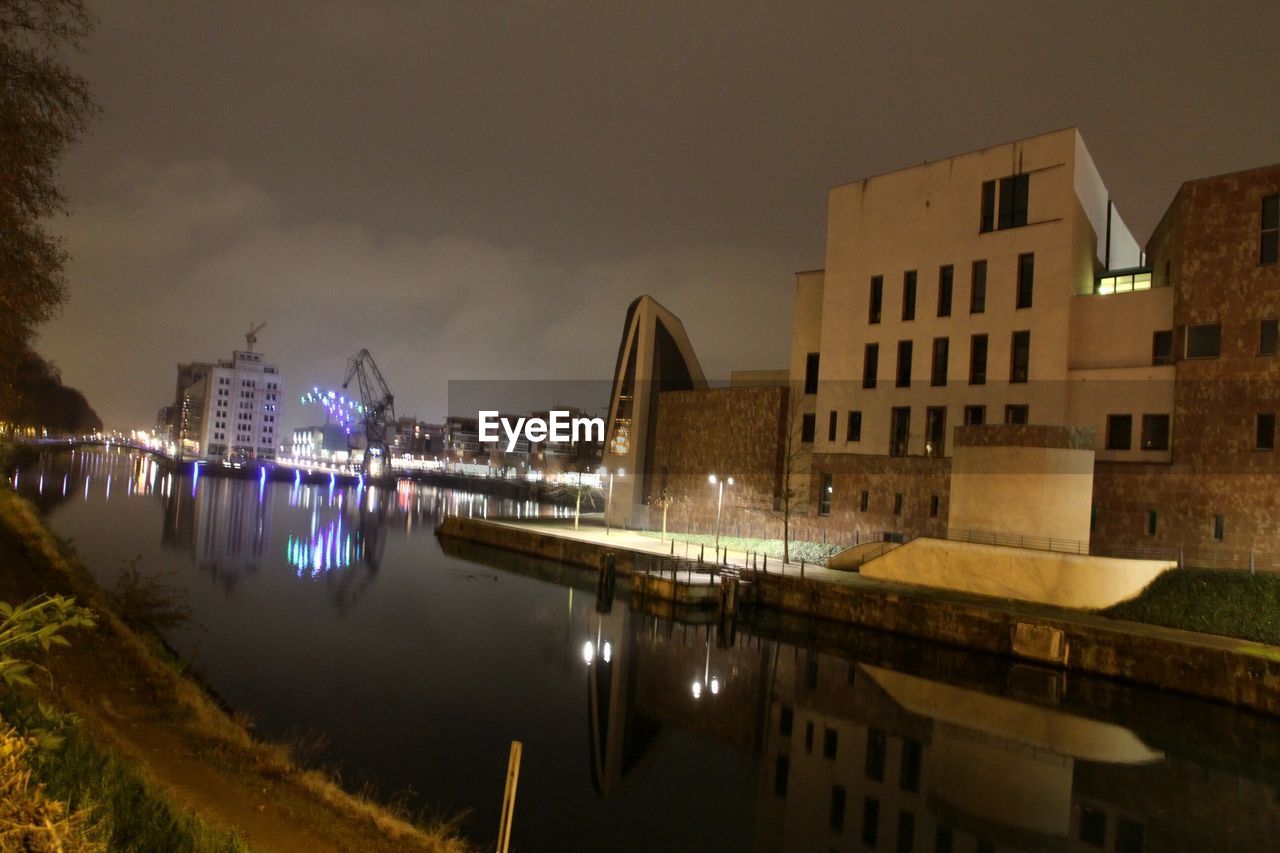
x=478 y=190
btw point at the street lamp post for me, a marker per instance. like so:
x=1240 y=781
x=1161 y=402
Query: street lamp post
x=608 y=503
x=577 y=507
x=713 y=480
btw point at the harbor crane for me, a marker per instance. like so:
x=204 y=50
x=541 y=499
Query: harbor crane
x=252 y=337
x=379 y=413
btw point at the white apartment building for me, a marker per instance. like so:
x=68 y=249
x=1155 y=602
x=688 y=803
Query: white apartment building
x=230 y=409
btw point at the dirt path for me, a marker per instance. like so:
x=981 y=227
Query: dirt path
x=135 y=703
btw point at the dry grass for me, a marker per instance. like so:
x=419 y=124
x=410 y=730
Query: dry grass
x=30 y=820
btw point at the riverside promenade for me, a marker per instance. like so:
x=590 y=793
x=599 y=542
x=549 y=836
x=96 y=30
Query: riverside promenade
x=1225 y=669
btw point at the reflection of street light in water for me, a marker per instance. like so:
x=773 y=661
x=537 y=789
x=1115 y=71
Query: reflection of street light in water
x=602 y=648
x=708 y=681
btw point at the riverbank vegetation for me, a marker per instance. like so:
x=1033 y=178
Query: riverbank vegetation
x=1231 y=604
x=118 y=749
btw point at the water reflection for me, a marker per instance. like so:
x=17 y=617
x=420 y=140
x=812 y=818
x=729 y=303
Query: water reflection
x=648 y=729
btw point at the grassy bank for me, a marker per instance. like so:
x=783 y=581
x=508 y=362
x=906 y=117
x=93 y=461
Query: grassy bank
x=145 y=750
x=811 y=552
x=1232 y=604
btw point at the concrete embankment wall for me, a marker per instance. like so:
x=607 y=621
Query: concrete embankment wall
x=1045 y=577
x=1234 y=671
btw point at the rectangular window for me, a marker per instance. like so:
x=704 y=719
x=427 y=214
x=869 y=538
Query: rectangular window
x=933 y=506
x=808 y=425
x=935 y=431
x=811 y=373
x=903 y=379
x=1020 y=359
x=1162 y=347
x=830 y=742
x=864 y=500
x=870 y=365
x=1204 y=341
x=855 y=427
x=899 y=430
x=824 y=497
x=786 y=719
x=1093 y=826
x=1219 y=527
x=938 y=375
x=909 y=295
x=1119 y=432
x=837 y=808
x=870 y=821
x=1151 y=522
x=988 y=220
x=833 y=422
x=906 y=840
x=1017 y=414
x=1026 y=279
x=1014 y=196
x=1269 y=239
x=975 y=415
x=1266 y=431
x=978 y=360
x=897 y=503
x=1155 y=432
x=877 y=298
x=909 y=776
x=877 y=745
x=978 y=288
x=946 y=279
x=781 y=775
x=1267 y=337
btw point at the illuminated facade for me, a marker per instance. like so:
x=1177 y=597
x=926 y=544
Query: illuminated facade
x=230 y=409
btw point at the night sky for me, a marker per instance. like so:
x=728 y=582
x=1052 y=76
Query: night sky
x=477 y=190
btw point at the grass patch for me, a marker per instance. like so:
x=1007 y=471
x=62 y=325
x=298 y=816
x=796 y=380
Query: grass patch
x=1231 y=604
x=106 y=802
x=811 y=552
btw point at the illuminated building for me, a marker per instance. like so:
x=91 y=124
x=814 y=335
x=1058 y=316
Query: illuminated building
x=229 y=409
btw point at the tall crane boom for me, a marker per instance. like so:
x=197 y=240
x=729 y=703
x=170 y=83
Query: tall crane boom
x=378 y=402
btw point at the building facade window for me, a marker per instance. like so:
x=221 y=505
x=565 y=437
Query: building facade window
x=1269 y=238
x=808 y=426
x=1017 y=414
x=833 y=422
x=837 y=808
x=903 y=379
x=854 y=432
x=1119 y=432
x=864 y=500
x=975 y=415
x=897 y=503
x=1155 y=432
x=1204 y=340
x=905 y=841
x=1151 y=522
x=1026 y=279
x=938 y=373
x=824 y=498
x=1265 y=431
x=978 y=288
x=830 y=742
x=811 y=373
x=909 y=295
x=899 y=430
x=877 y=299
x=1267 y=334
x=1011 y=211
x=1162 y=347
x=1219 y=527
x=935 y=431
x=1020 y=358
x=978 y=360
x=870 y=822
x=933 y=513
x=870 y=365
x=946 y=281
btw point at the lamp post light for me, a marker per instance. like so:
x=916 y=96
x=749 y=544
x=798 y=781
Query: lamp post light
x=720 y=484
x=608 y=501
x=577 y=507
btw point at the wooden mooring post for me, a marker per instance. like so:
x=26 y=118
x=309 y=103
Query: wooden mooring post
x=509 y=796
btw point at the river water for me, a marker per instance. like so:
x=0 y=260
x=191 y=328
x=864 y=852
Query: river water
x=336 y=612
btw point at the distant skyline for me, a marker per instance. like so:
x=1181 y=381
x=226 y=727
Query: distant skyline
x=477 y=191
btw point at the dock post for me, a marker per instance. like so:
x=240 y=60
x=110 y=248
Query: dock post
x=509 y=796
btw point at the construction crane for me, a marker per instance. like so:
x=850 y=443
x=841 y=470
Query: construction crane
x=252 y=337
x=379 y=413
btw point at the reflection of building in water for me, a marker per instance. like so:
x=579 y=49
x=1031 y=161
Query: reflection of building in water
x=861 y=757
x=224 y=524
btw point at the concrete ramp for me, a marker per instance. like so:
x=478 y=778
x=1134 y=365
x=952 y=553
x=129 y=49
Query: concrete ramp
x=851 y=558
x=1045 y=577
